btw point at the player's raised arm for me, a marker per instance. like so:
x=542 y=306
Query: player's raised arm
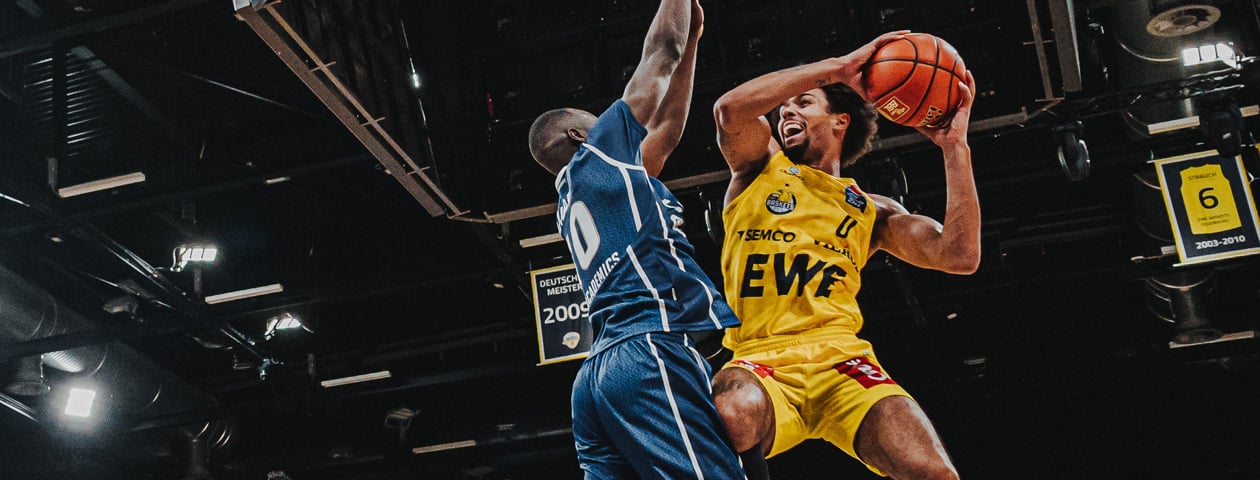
x=665 y=128
x=954 y=246
x=662 y=51
x=744 y=133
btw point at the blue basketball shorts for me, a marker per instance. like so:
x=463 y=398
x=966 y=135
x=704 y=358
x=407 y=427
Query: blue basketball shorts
x=643 y=408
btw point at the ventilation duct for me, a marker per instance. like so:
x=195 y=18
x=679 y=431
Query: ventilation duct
x=28 y=378
x=126 y=382
x=28 y=313
x=202 y=440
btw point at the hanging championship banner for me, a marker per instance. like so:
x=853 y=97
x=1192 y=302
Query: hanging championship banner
x=1210 y=206
x=560 y=314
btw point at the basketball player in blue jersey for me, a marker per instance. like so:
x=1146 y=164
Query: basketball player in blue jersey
x=641 y=400
x=798 y=234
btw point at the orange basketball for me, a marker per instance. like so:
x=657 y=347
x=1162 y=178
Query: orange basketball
x=913 y=81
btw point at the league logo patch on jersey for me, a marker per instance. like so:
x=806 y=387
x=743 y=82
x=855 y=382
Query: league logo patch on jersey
x=855 y=197
x=781 y=202
x=793 y=171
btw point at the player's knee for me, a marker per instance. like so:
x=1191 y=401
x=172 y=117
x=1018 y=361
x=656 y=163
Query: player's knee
x=743 y=407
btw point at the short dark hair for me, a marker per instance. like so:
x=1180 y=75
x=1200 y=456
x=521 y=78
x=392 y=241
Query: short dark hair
x=543 y=129
x=862 y=121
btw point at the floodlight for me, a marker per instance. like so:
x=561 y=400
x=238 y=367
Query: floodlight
x=1214 y=52
x=79 y=403
x=283 y=321
x=198 y=253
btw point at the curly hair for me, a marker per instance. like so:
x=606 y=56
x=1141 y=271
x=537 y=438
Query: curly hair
x=862 y=121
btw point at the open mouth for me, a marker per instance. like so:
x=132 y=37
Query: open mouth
x=792 y=129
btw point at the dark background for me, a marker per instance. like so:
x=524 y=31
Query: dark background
x=1053 y=361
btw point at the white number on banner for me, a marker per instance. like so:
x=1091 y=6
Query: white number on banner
x=583 y=233
x=563 y=313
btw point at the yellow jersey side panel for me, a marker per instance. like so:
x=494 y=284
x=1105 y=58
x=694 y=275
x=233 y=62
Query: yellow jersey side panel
x=796 y=242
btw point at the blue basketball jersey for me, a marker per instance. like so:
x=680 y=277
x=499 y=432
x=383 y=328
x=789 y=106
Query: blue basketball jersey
x=624 y=231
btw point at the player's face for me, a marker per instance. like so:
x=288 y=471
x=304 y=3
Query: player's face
x=803 y=117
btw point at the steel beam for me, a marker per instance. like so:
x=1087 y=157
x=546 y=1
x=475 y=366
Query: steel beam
x=313 y=71
x=19 y=46
x=1063 y=20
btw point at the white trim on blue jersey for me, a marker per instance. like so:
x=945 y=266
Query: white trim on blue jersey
x=674 y=253
x=634 y=259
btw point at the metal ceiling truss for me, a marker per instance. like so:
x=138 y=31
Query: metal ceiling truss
x=341 y=33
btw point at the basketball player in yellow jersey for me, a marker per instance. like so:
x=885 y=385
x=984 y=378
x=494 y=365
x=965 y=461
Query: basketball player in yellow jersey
x=798 y=234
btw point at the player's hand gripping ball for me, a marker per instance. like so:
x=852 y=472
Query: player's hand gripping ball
x=914 y=81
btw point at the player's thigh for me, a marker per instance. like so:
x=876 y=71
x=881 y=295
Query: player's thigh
x=847 y=394
x=598 y=457
x=896 y=437
x=658 y=411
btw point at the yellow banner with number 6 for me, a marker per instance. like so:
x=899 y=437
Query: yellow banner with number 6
x=1209 y=200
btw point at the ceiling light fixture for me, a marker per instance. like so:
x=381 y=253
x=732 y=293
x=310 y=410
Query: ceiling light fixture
x=79 y=403
x=1218 y=52
x=367 y=377
x=98 y=185
x=193 y=253
x=283 y=321
x=243 y=294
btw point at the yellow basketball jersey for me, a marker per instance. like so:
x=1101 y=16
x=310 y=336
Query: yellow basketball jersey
x=796 y=242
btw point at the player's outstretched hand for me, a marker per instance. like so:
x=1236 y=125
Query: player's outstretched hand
x=955 y=132
x=853 y=65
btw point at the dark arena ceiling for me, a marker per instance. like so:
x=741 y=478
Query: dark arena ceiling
x=369 y=157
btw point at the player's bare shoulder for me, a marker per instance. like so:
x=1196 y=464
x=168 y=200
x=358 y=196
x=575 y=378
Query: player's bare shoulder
x=885 y=207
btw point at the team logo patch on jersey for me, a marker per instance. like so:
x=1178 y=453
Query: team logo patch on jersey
x=762 y=371
x=781 y=202
x=854 y=197
x=866 y=373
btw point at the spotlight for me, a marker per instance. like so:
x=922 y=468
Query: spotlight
x=1073 y=153
x=1204 y=54
x=193 y=253
x=79 y=403
x=1221 y=122
x=283 y=321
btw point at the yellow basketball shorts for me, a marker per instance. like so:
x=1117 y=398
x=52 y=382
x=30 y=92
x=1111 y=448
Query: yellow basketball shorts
x=820 y=390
